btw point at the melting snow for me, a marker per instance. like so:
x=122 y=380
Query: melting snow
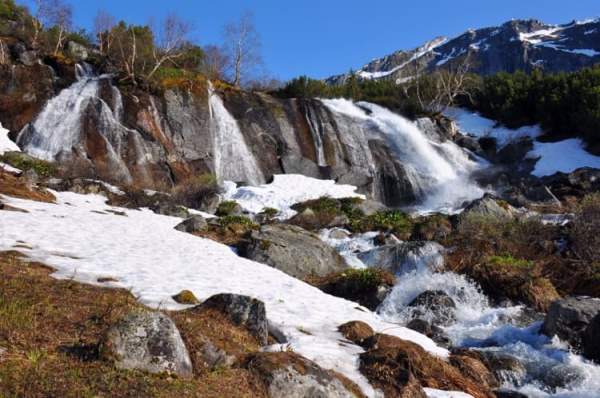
x=433 y=393
x=564 y=156
x=6 y=145
x=285 y=191
x=146 y=255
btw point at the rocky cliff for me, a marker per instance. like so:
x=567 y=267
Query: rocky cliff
x=515 y=45
x=72 y=113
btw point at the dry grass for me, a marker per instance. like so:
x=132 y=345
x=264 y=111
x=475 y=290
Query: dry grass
x=11 y=185
x=51 y=329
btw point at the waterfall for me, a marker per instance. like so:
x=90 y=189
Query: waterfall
x=438 y=172
x=233 y=160
x=57 y=129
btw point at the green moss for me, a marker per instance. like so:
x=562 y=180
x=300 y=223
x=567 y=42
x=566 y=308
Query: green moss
x=270 y=212
x=391 y=220
x=185 y=297
x=324 y=205
x=226 y=208
x=363 y=279
x=24 y=162
x=238 y=220
x=509 y=261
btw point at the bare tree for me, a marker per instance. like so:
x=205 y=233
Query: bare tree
x=242 y=46
x=171 y=41
x=103 y=26
x=61 y=17
x=214 y=63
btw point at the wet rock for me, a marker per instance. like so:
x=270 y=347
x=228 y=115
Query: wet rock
x=195 y=223
x=288 y=375
x=505 y=367
x=170 y=209
x=293 y=250
x=503 y=393
x=405 y=256
x=148 y=341
x=242 y=311
x=436 y=304
x=356 y=331
x=591 y=339
x=471 y=365
x=434 y=332
x=185 y=297
x=561 y=376
x=568 y=318
x=339 y=233
x=367 y=287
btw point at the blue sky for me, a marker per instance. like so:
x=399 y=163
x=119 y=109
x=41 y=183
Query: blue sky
x=324 y=37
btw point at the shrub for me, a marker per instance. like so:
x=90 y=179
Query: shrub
x=509 y=261
x=237 y=220
x=227 y=208
x=270 y=212
x=393 y=221
x=585 y=229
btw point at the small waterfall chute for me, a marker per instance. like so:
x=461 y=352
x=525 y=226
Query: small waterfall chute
x=233 y=160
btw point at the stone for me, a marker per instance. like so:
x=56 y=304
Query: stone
x=170 y=209
x=568 y=319
x=214 y=358
x=561 y=376
x=29 y=58
x=503 y=393
x=149 y=341
x=591 y=340
x=293 y=250
x=437 y=305
x=404 y=257
x=195 y=223
x=488 y=206
x=356 y=331
x=77 y=51
x=434 y=332
x=185 y=297
x=243 y=311
x=505 y=367
x=288 y=375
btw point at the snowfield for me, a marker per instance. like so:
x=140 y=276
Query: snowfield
x=562 y=156
x=6 y=145
x=81 y=240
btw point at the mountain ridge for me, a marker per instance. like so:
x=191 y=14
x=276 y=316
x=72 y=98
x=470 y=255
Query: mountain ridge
x=514 y=45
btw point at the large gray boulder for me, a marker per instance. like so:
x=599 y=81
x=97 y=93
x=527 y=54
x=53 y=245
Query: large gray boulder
x=405 y=256
x=77 y=51
x=149 y=341
x=568 y=319
x=288 y=375
x=293 y=250
x=243 y=311
x=435 y=305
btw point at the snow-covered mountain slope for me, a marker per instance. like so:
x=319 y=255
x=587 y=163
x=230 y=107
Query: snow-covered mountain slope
x=143 y=252
x=515 y=45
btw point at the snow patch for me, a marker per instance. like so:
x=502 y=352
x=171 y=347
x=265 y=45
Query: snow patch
x=285 y=191
x=563 y=156
x=433 y=393
x=6 y=144
x=143 y=251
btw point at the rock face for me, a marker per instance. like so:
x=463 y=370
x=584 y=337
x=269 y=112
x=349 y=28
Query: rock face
x=515 y=45
x=149 y=341
x=568 y=319
x=243 y=311
x=294 y=251
x=288 y=375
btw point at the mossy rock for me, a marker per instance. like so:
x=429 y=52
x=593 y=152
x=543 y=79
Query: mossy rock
x=186 y=297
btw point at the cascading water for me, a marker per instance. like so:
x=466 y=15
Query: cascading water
x=548 y=369
x=440 y=173
x=233 y=160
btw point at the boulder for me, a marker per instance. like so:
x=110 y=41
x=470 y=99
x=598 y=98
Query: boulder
x=591 y=339
x=186 y=297
x=356 y=331
x=149 y=341
x=431 y=228
x=436 y=304
x=29 y=58
x=288 y=375
x=488 y=206
x=195 y=223
x=471 y=365
x=434 y=332
x=505 y=367
x=77 y=51
x=568 y=319
x=243 y=311
x=561 y=376
x=293 y=250
x=405 y=256
x=369 y=207
x=170 y=209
